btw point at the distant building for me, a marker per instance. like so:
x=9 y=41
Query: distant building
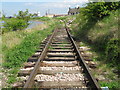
x=38 y=14
x=73 y=11
x=49 y=15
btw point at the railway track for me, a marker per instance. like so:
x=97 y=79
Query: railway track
x=57 y=64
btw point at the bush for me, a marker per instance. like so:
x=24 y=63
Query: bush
x=98 y=10
x=113 y=51
x=14 y=24
x=25 y=15
x=18 y=23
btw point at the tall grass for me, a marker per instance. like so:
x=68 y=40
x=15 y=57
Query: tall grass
x=99 y=33
x=20 y=53
x=19 y=46
x=102 y=36
x=17 y=54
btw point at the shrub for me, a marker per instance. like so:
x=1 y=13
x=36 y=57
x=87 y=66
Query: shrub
x=98 y=10
x=14 y=24
x=113 y=51
x=25 y=15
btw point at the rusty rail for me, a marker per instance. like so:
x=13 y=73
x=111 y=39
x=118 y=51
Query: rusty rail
x=90 y=77
x=93 y=83
x=30 y=80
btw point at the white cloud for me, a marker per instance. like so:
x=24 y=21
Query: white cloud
x=76 y=1
x=28 y=4
x=77 y=5
x=54 y=5
x=60 y=5
x=80 y=0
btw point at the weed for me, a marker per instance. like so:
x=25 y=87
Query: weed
x=50 y=47
x=111 y=85
x=102 y=37
x=19 y=54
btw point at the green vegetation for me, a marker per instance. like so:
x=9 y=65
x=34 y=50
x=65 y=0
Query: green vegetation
x=61 y=18
x=18 y=46
x=24 y=15
x=18 y=23
x=111 y=85
x=97 y=26
x=14 y=24
x=41 y=18
x=3 y=16
x=19 y=54
x=103 y=35
x=98 y=10
x=15 y=56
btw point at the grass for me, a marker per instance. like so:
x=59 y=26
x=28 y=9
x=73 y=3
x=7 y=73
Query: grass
x=19 y=54
x=50 y=47
x=41 y=18
x=102 y=38
x=13 y=38
x=18 y=46
x=111 y=85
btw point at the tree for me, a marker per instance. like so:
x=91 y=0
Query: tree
x=25 y=15
x=3 y=16
x=98 y=10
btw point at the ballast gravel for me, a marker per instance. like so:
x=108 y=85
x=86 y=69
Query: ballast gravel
x=60 y=68
x=60 y=62
x=53 y=68
x=60 y=77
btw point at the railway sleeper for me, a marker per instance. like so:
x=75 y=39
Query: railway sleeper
x=62 y=84
x=60 y=55
x=48 y=72
x=60 y=47
x=59 y=59
x=60 y=50
x=56 y=75
x=52 y=63
x=61 y=43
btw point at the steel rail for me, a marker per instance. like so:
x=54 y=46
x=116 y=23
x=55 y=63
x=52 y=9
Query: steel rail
x=93 y=82
x=30 y=81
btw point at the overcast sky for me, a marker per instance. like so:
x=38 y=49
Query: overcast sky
x=44 y=0
x=11 y=7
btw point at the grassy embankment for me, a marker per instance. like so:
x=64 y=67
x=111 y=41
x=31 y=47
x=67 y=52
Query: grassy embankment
x=18 y=46
x=102 y=37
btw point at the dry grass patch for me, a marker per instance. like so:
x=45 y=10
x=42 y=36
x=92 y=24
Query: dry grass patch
x=37 y=28
x=11 y=39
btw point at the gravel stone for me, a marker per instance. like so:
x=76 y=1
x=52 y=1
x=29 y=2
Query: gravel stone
x=60 y=77
x=59 y=62
x=60 y=68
